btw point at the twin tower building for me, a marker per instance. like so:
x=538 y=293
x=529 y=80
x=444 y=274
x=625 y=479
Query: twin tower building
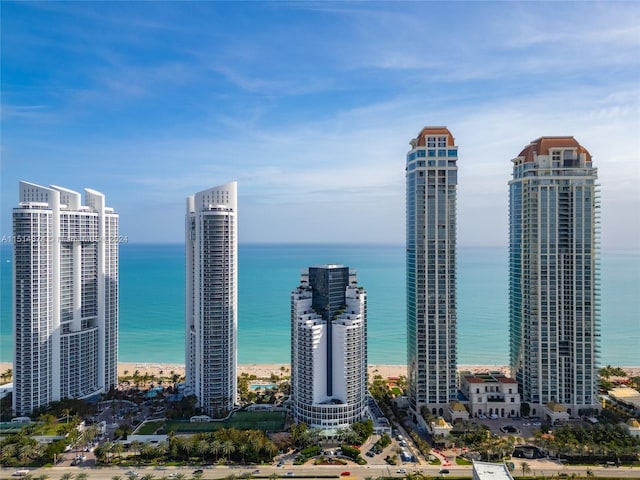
x=66 y=281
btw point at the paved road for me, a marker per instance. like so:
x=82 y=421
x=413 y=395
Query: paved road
x=538 y=467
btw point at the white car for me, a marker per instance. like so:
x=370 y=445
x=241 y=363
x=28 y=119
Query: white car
x=401 y=470
x=20 y=473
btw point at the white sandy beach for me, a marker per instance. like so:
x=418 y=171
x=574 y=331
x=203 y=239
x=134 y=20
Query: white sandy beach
x=264 y=370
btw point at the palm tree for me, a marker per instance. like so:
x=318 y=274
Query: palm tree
x=82 y=476
x=135 y=447
x=243 y=448
x=25 y=452
x=136 y=378
x=216 y=448
x=66 y=476
x=228 y=448
x=202 y=448
x=255 y=440
x=162 y=449
x=8 y=451
x=102 y=452
x=271 y=449
x=117 y=448
x=115 y=477
x=526 y=469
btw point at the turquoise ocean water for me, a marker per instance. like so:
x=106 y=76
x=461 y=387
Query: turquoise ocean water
x=152 y=302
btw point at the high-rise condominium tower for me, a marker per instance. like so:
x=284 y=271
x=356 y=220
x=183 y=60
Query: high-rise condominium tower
x=432 y=178
x=553 y=274
x=212 y=297
x=65 y=296
x=329 y=348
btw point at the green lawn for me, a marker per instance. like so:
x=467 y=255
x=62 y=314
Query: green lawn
x=271 y=421
x=149 y=428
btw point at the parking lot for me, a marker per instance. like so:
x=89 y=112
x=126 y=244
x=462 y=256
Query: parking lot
x=526 y=428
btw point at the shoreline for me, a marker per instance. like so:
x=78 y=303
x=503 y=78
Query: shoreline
x=265 y=370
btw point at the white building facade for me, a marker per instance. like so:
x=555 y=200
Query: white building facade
x=491 y=395
x=554 y=275
x=65 y=296
x=431 y=189
x=329 y=348
x=211 y=239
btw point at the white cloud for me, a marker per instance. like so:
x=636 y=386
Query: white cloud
x=317 y=131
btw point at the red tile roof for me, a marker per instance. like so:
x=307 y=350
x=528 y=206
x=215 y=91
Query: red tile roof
x=473 y=379
x=542 y=145
x=433 y=131
x=506 y=380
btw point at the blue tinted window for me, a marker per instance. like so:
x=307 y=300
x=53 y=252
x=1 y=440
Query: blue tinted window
x=421 y=153
x=442 y=153
x=432 y=153
x=452 y=153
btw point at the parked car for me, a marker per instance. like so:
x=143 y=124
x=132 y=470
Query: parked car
x=345 y=474
x=20 y=473
x=443 y=471
x=198 y=472
x=401 y=470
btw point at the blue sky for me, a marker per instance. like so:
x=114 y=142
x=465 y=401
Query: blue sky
x=310 y=106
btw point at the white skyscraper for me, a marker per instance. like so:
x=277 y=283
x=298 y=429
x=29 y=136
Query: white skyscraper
x=329 y=348
x=211 y=239
x=65 y=296
x=554 y=275
x=432 y=179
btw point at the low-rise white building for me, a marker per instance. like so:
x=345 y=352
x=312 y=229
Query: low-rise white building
x=491 y=394
x=633 y=427
x=490 y=471
x=457 y=411
x=440 y=427
x=555 y=412
x=627 y=397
